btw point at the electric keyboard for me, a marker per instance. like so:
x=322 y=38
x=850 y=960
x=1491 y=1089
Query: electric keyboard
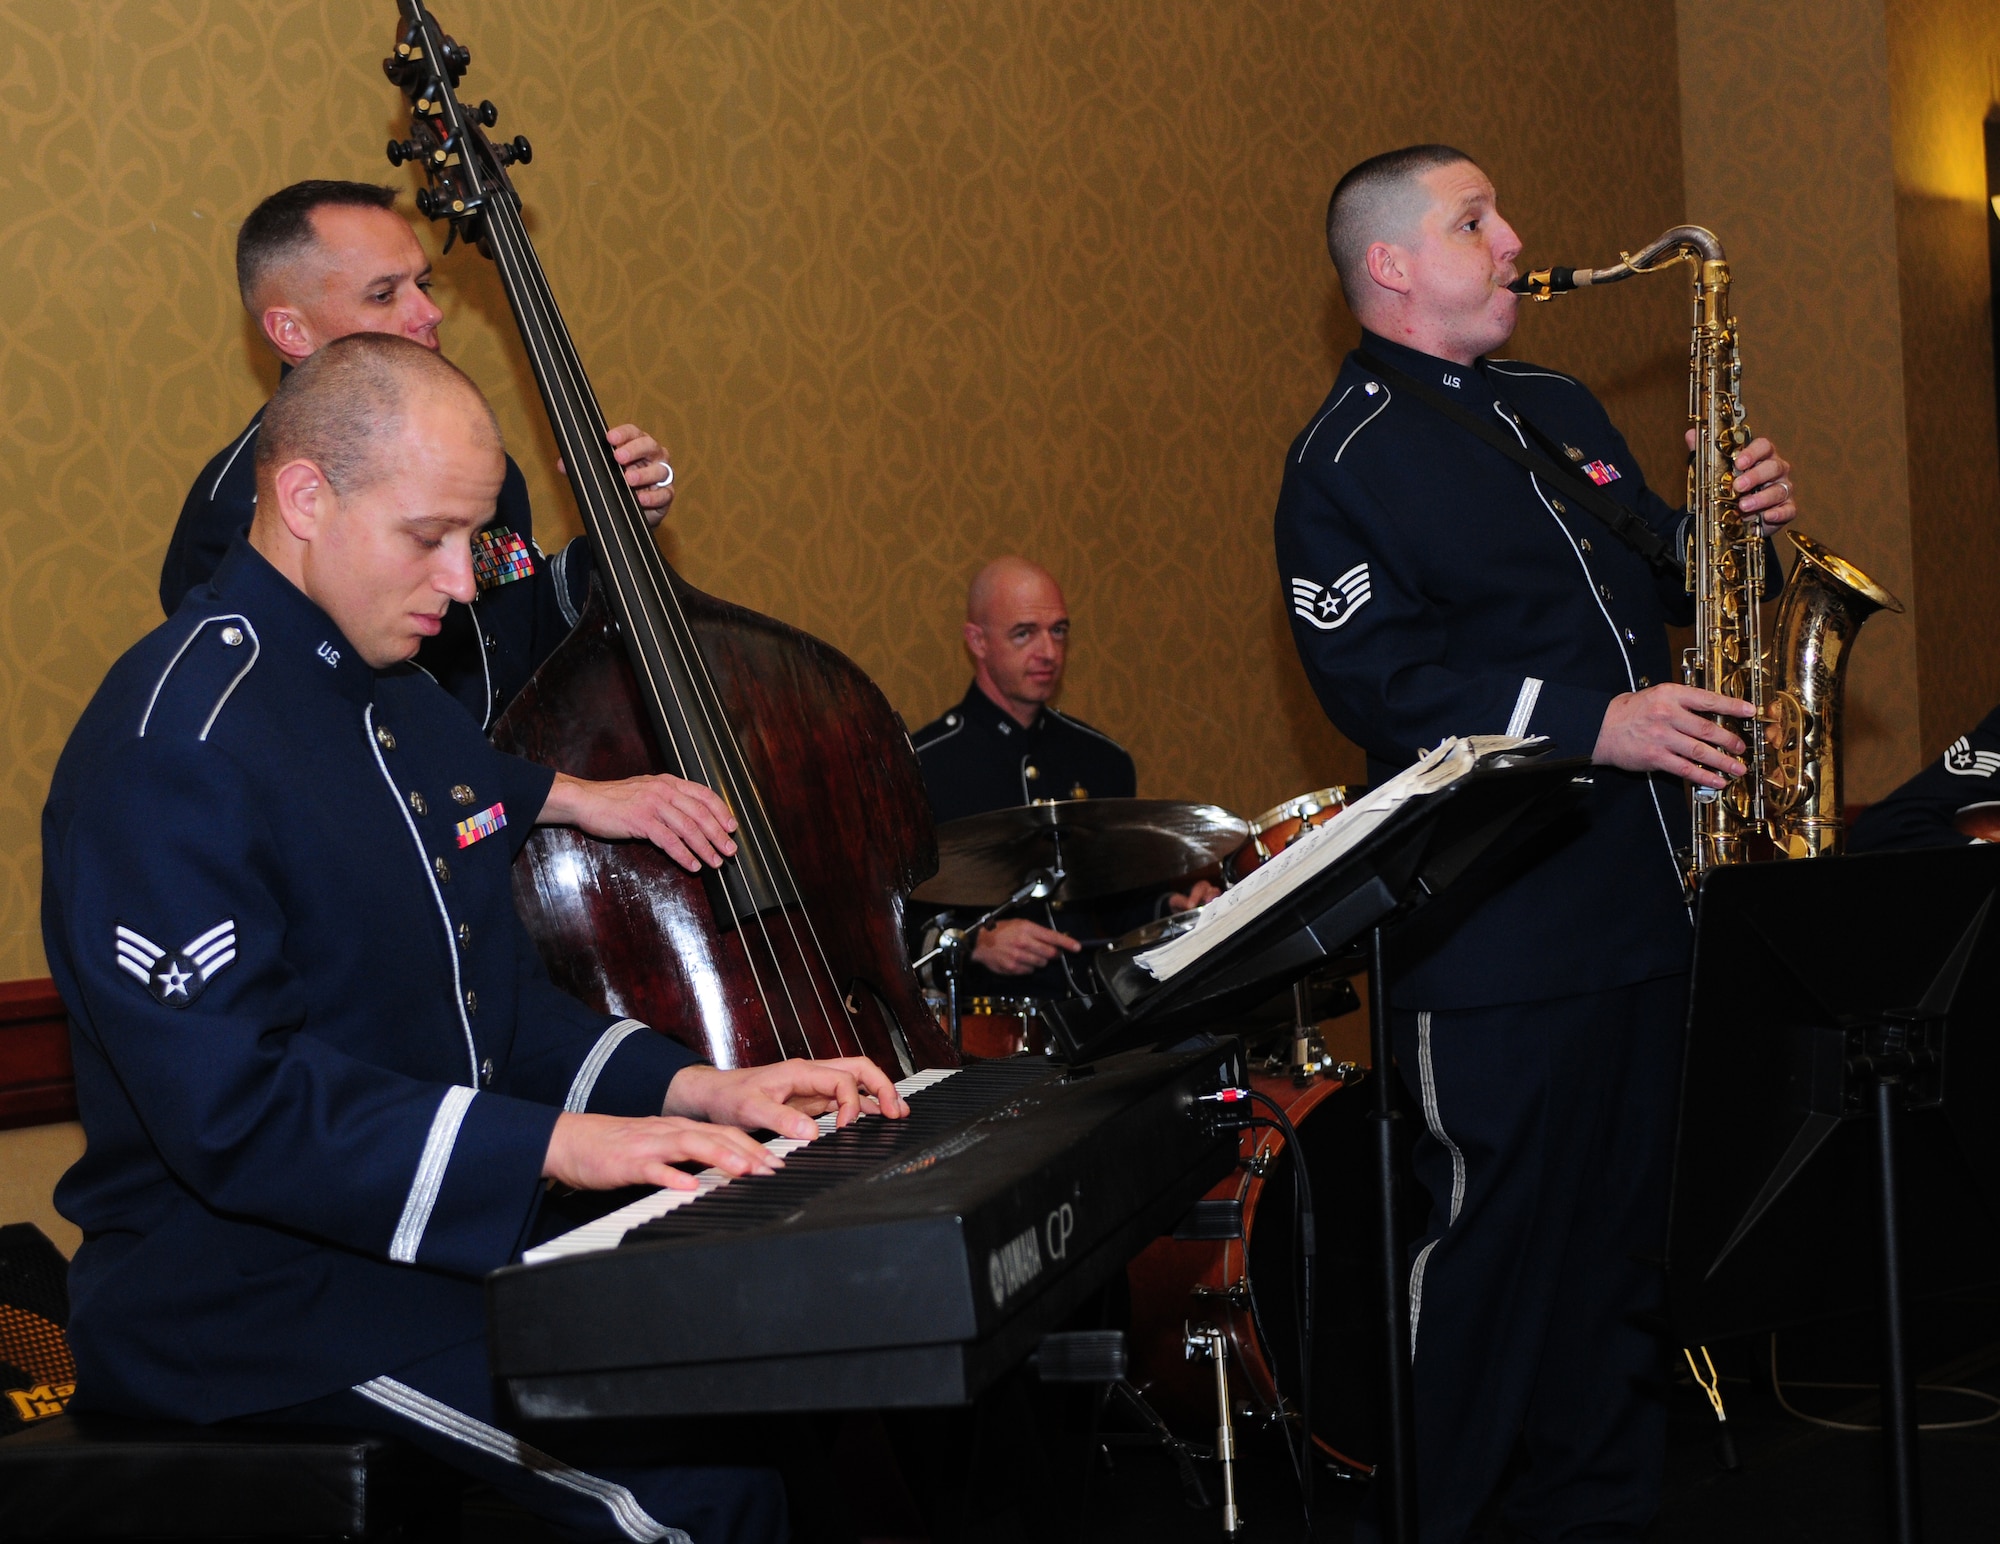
x=890 y=1263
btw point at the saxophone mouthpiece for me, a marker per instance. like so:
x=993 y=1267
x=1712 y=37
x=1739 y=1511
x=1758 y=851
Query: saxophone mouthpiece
x=1547 y=283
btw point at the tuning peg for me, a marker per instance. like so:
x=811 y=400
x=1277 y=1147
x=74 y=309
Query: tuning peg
x=516 y=149
x=486 y=114
x=401 y=150
x=457 y=58
x=430 y=203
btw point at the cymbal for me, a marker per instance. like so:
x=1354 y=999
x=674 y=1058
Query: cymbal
x=1103 y=847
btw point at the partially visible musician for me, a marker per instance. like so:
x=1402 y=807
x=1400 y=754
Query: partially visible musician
x=1437 y=588
x=1953 y=801
x=317 y=261
x=322 y=1072
x=1006 y=744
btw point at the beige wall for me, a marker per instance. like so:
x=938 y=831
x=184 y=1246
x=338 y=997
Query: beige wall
x=1786 y=143
x=32 y=1159
x=1944 y=78
x=903 y=283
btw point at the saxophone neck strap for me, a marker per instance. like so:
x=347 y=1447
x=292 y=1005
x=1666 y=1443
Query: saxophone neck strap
x=1548 y=464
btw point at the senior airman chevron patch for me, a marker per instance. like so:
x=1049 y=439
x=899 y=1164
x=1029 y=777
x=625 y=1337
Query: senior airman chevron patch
x=176 y=977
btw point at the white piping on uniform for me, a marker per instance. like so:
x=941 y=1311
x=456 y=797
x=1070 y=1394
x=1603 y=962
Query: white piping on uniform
x=1524 y=706
x=559 y=567
x=450 y=939
x=194 y=632
x=578 y=1098
x=1434 y=1122
x=1387 y=395
x=1320 y=420
x=1496 y=366
x=940 y=739
x=1077 y=723
x=435 y=1159
x=236 y=450
x=1616 y=637
x=414 y=1405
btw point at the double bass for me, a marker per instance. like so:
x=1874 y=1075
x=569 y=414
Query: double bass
x=795 y=946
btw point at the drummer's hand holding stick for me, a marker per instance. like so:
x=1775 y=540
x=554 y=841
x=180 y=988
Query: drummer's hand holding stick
x=1017 y=946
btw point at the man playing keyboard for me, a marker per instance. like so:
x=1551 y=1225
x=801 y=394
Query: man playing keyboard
x=323 y=1074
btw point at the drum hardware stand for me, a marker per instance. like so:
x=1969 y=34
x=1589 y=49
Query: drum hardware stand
x=954 y=945
x=1210 y=1342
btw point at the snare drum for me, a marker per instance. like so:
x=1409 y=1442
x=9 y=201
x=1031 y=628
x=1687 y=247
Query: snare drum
x=1274 y=830
x=989 y=1027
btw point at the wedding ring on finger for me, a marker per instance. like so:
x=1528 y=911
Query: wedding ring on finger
x=668 y=480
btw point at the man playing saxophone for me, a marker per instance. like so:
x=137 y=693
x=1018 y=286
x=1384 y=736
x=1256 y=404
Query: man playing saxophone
x=1438 y=586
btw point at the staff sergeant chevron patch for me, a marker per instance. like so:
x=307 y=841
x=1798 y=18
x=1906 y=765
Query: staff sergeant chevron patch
x=176 y=977
x=1967 y=762
x=1327 y=606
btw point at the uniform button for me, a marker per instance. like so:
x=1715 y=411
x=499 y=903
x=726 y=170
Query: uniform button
x=443 y=870
x=1630 y=636
x=461 y=793
x=417 y=803
x=1079 y=792
x=1585 y=544
x=232 y=636
x=471 y=1002
x=1559 y=506
x=465 y=935
x=385 y=739
x=1644 y=682
x=486 y=1073
x=1604 y=590
x=951 y=721
x=491 y=643
x=1031 y=773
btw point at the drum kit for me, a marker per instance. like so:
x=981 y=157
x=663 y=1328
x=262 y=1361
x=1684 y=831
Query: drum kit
x=1243 y=1285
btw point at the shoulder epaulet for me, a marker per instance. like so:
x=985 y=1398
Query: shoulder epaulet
x=200 y=675
x=937 y=731
x=1352 y=409
x=1520 y=369
x=1077 y=723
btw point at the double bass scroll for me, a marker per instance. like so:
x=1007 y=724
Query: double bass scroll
x=795 y=946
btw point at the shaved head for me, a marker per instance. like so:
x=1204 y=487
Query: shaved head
x=1004 y=583
x=1382 y=199
x=1017 y=632
x=345 y=407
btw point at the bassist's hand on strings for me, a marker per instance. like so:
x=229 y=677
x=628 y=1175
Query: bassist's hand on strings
x=1664 y=729
x=786 y=1096
x=1763 y=483
x=648 y=472
x=689 y=822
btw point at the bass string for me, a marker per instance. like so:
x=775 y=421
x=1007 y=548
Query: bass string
x=618 y=537
x=627 y=524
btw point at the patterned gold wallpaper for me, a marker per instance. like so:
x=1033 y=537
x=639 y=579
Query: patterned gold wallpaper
x=903 y=283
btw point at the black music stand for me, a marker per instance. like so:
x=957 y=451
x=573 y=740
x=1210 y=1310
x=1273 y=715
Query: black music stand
x=1839 y=1140
x=1464 y=839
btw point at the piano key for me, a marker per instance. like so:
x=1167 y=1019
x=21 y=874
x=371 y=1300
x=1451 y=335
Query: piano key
x=610 y=1229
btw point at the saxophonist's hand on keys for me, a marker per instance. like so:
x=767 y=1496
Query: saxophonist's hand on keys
x=1763 y=483
x=707 y=1119
x=1665 y=729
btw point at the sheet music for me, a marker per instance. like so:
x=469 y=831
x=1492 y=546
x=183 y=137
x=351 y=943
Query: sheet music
x=607 y=1230
x=1317 y=848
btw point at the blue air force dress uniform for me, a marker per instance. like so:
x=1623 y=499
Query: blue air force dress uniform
x=1924 y=811
x=977 y=758
x=317 y=1058
x=526 y=604
x=1436 y=588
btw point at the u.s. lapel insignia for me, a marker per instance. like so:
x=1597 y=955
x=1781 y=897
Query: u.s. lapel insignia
x=499 y=556
x=176 y=977
x=478 y=827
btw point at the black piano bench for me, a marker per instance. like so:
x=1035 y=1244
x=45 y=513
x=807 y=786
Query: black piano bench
x=100 y=1478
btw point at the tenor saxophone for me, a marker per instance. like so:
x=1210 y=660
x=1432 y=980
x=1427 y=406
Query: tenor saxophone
x=1787 y=803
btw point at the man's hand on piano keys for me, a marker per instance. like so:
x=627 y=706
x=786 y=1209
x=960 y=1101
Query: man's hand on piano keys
x=608 y=1152
x=785 y=1096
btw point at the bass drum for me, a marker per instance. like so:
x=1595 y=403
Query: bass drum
x=1176 y=1283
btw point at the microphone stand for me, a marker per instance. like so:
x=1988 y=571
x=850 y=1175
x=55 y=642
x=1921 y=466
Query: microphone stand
x=954 y=944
